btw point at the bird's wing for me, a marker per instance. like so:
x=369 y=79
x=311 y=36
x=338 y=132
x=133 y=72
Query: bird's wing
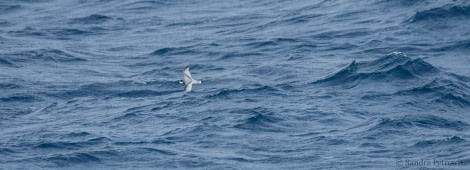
x=186 y=73
x=188 y=87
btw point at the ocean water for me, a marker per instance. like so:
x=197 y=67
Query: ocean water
x=322 y=84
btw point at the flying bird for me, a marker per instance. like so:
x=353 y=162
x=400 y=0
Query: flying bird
x=188 y=81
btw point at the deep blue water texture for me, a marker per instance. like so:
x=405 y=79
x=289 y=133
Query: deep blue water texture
x=323 y=84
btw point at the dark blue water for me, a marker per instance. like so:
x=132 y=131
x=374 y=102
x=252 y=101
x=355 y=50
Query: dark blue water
x=326 y=84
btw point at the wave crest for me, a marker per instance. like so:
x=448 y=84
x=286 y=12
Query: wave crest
x=51 y=55
x=441 y=14
x=453 y=91
x=92 y=19
x=454 y=140
x=395 y=66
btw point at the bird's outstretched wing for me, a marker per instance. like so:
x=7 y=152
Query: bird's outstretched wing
x=187 y=76
x=188 y=87
x=186 y=72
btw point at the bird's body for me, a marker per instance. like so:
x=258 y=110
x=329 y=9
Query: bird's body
x=188 y=81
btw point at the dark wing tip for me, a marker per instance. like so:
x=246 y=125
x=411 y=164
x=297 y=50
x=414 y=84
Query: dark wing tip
x=186 y=69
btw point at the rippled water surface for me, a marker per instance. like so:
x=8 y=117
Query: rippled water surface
x=324 y=84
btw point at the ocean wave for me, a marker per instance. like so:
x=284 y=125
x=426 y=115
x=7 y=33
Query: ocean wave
x=72 y=142
x=454 y=100
x=159 y=151
x=77 y=134
x=60 y=33
x=457 y=45
x=403 y=2
x=97 y=140
x=28 y=32
x=9 y=86
x=143 y=5
x=260 y=119
x=134 y=89
x=267 y=70
x=330 y=140
x=92 y=19
x=168 y=51
x=238 y=55
x=64 y=160
x=231 y=93
x=49 y=33
x=206 y=129
x=21 y=98
x=67 y=33
x=445 y=148
x=60 y=146
x=127 y=117
x=95 y=89
x=393 y=67
x=257 y=122
x=195 y=134
x=5 y=9
x=143 y=93
x=439 y=143
x=452 y=91
x=5 y=62
x=44 y=55
x=162 y=141
x=445 y=13
x=427 y=122
x=300 y=19
x=4 y=24
x=391 y=128
x=6 y=152
x=189 y=22
x=271 y=43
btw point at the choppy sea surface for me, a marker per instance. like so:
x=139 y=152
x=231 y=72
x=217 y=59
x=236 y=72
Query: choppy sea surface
x=322 y=84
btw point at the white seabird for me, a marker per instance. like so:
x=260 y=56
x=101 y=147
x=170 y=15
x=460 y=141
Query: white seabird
x=188 y=81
